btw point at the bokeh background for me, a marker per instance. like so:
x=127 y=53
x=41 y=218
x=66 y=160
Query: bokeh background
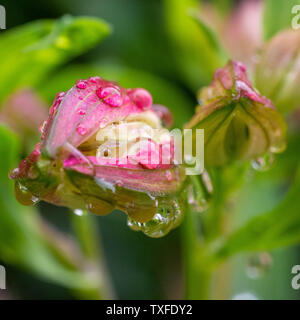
x=139 y=53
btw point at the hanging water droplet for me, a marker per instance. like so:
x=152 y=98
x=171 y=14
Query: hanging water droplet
x=24 y=196
x=167 y=217
x=98 y=206
x=279 y=146
x=258 y=265
x=80 y=212
x=263 y=163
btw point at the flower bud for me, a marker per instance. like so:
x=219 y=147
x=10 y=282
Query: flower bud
x=238 y=123
x=277 y=72
x=103 y=147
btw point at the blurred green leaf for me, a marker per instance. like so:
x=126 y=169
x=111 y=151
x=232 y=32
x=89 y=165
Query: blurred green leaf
x=278 y=228
x=23 y=240
x=29 y=52
x=277 y=16
x=194 y=43
x=163 y=91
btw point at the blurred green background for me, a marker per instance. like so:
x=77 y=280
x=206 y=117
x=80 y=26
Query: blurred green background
x=139 y=52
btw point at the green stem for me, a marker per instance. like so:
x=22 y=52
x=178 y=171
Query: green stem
x=197 y=276
x=89 y=240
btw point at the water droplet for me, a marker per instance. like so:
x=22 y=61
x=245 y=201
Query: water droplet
x=110 y=95
x=280 y=144
x=98 y=206
x=81 y=112
x=168 y=216
x=94 y=79
x=58 y=99
x=263 y=163
x=81 y=84
x=258 y=265
x=24 y=196
x=141 y=97
x=80 y=212
x=81 y=130
x=42 y=127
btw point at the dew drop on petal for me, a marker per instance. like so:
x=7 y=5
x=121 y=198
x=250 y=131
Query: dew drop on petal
x=81 y=84
x=42 y=127
x=94 y=79
x=141 y=97
x=110 y=95
x=81 y=112
x=81 y=130
x=57 y=101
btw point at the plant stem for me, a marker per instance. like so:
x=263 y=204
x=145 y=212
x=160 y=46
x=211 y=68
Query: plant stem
x=88 y=237
x=197 y=275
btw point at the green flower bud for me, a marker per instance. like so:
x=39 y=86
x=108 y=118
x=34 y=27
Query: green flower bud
x=238 y=123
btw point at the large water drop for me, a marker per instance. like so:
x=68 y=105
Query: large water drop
x=169 y=214
x=24 y=196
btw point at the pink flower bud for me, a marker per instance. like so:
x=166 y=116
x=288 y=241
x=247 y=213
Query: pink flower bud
x=101 y=148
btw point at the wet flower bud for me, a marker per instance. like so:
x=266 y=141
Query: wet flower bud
x=277 y=72
x=238 y=123
x=103 y=147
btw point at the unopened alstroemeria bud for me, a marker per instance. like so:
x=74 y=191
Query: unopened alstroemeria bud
x=277 y=73
x=104 y=147
x=238 y=123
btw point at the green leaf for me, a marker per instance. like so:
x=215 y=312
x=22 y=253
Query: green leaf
x=194 y=44
x=277 y=16
x=278 y=228
x=29 y=52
